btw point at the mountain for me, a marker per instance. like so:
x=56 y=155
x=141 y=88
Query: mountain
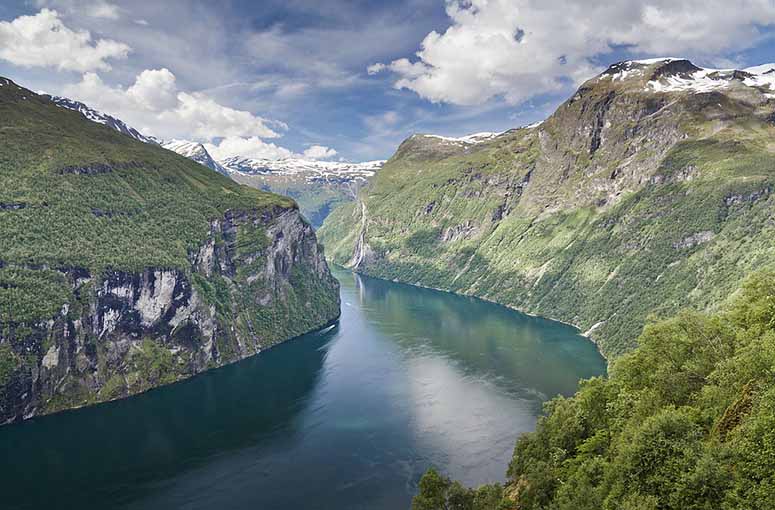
x=648 y=191
x=317 y=186
x=125 y=266
x=99 y=117
x=195 y=151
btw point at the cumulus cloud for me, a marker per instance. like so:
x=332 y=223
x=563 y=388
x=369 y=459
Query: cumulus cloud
x=251 y=147
x=319 y=152
x=42 y=40
x=516 y=49
x=256 y=148
x=154 y=89
x=155 y=105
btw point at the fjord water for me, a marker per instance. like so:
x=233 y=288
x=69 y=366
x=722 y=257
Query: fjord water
x=347 y=418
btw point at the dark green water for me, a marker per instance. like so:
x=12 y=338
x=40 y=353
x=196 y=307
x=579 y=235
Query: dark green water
x=345 y=419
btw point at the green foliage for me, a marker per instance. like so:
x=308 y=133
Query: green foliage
x=251 y=239
x=9 y=362
x=130 y=206
x=686 y=421
x=440 y=493
x=154 y=365
x=26 y=294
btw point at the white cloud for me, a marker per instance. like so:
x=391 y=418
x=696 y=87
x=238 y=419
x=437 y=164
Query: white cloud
x=155 y=89
x=104 y=10
x=100 y=9
x=252 y=147
x=154 y=105
x=319 y=152
x=519 y=48
x=256 y=148
x=42 y=40
x=375 y=68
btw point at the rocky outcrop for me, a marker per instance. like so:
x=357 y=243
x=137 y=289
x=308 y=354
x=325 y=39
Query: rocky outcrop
x=258 y=279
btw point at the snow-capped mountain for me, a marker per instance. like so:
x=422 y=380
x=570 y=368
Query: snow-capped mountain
x=195 y=151
x=99 y=117
x=317 y=186
x=471 y=139
x=681 y=75
x=308 y=170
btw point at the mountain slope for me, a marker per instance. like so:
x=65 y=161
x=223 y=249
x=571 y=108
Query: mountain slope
x=195 y=151
x=647 y=191
x=318 y=186
x=99 y=117
x=192 y=150
x=125 y=266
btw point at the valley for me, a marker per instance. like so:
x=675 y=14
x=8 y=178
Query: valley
x=216 y=292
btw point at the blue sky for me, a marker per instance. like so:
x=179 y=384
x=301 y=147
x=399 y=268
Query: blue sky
x=348 y=79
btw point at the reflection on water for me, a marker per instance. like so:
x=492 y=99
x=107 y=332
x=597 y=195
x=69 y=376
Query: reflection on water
x=349 y=418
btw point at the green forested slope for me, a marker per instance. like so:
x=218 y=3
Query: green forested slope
x=685 y=422
x=124 y=266
x=628 y=201
x=77 y=194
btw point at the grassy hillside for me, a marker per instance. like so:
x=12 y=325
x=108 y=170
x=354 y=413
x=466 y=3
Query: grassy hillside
x=77 y=194
x=627 y=202
x=685 y=422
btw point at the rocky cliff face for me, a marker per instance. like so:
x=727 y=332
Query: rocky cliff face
x=259 y=278
x=625 y=202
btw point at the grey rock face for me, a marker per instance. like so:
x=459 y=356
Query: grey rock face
x=132 y=331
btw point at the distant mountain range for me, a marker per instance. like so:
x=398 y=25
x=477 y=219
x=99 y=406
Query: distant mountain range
x=310 y=170
x=317 y=186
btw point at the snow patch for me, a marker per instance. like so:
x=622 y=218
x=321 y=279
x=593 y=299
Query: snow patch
x=468 y=139
x=709 y=80
x=704 y=80
x=650 y=61
x=310 y=170
x=760 y=69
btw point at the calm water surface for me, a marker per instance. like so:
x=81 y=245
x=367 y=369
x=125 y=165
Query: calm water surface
x=345 y=419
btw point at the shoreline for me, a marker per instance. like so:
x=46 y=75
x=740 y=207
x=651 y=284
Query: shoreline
x=321 y=329
x=584 y=334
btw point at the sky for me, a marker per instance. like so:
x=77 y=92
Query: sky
x=346 y=79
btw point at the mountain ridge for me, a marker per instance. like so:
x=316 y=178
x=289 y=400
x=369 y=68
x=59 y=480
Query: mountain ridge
x=598 y=216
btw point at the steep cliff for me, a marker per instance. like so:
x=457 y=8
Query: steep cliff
x=647 y=191
x=124 y=266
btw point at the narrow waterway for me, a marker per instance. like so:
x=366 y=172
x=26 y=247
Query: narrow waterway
x=344 y=419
